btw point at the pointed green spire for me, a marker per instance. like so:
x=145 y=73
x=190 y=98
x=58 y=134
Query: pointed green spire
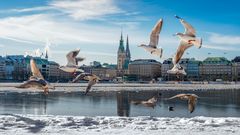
x=128 y=54
x=121 y=44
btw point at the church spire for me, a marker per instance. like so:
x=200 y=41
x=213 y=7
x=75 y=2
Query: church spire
x=121 y=45
x=46 y=56
x=128 y=54
x=121 y=36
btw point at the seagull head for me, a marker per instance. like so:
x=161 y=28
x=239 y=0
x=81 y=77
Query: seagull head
x=178 y=17
x=178 y=34
x=142 y=45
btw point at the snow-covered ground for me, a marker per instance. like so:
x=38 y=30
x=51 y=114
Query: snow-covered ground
x=11 y=124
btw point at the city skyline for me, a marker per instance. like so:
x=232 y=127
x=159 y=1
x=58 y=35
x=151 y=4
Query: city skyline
x=95 y=27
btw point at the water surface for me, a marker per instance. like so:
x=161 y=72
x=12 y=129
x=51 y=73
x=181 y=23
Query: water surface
x=212 y=103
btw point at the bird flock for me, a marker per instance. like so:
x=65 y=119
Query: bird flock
x=187 y=39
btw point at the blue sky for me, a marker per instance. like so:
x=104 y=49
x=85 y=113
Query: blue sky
x=94 y=26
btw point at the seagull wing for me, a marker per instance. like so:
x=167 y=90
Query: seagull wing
x=35 y=71
x=79 y=59
x=189 y=30
x=177 y=96
x=152 y=100
x=91 y=77
x=71 y=57
x=79 y=77
x=32 y=83
x=90 y=84
x=191 y=104
x=181 y=49
x=24 y=85
x=155 y=34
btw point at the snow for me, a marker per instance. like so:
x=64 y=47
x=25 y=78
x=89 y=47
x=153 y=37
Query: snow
x=77 y=125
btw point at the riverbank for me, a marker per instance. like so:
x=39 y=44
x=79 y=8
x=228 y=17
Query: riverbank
x=125 y=87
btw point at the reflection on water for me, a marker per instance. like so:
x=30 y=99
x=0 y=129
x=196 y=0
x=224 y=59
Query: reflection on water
x=212 y=103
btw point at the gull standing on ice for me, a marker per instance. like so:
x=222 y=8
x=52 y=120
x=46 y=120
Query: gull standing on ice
x=92 y=80
x=36 y=80
x=72 y=65
x=187 y=39
x=192 y=99
x=154 y=37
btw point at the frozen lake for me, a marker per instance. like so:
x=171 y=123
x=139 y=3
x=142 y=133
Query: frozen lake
x=212 y=103
x=67 y=110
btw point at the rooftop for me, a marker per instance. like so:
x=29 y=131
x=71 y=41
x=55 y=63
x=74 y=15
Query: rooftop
x=236 y=59
x=216 y=60
x=144 y=61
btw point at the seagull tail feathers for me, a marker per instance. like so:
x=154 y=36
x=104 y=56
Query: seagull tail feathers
x=136 y=102
x=161 y=53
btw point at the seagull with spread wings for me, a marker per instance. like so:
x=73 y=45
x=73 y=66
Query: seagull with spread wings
x=192 y=99
x=154 y=37
x=91 y=78
x=187 y=39
x=72 y=65
x=152 y=102
x=36 y=80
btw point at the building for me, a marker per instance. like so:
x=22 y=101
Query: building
x=166 y=65
x=145 y=69
x=54 y=71
x=193 y=70
x=236 y=68
x=190 y=65
x=9 y=69
x=213 y=68
x=2 y=68
x=123 y=57
x=20 y=72
x=106 y=74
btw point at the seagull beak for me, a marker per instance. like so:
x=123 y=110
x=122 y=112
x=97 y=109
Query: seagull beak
x=139 y=45
x=174 y=34
x=178 y=17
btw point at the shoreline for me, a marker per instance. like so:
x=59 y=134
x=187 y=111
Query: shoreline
x=105 y=87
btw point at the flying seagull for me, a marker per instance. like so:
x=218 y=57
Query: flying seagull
x=72 y=65
x=187 y=39
x=36 y=80
x=92 y=80
x=192 y=99
x=154 y=37
x=149 y=103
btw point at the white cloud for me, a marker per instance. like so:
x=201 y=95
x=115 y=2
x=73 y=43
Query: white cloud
x=224 y=39
x=40 y=8
x=223 y=48
x=86 y=9
x=16 y=40
x=36 y=28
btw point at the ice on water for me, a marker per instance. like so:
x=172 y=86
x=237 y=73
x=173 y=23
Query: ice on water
x=47 y=124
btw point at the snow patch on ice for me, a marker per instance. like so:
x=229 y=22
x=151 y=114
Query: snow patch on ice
x=46 y=124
